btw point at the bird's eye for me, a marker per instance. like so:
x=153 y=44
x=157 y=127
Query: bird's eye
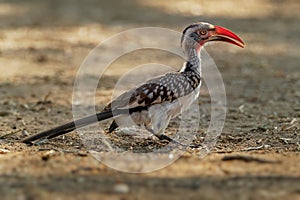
x=203 y=32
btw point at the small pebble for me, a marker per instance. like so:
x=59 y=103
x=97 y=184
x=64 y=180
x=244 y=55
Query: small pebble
x=121 y=188
x=46 y=156
x=25 y=133
x=25 y=106
x=82 y=153
x=4 y=151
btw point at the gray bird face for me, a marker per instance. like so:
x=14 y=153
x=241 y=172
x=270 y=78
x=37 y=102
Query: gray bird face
x=198 y=34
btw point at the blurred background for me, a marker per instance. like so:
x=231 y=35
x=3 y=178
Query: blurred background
x=43 y=43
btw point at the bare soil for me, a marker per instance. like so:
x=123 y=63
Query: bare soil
x=42 y=46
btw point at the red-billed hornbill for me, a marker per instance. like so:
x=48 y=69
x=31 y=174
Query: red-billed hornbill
x=155 y=102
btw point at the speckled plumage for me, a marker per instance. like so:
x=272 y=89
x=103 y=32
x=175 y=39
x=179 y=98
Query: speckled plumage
x=164 y=88
x=167 y=91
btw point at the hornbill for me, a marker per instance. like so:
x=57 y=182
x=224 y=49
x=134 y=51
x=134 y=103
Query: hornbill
x=154 y=103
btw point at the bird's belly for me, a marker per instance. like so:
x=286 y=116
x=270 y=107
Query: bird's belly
x=134 y=119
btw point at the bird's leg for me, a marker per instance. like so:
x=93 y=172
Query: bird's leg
x=165 y=137
x=41 y=141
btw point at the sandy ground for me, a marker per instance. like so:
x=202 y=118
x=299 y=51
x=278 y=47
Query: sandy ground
x=42 y=46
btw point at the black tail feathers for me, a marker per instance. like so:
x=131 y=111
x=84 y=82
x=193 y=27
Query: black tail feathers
x=68 y=127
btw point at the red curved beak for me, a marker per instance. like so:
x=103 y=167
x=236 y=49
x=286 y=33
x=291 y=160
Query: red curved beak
x=225 y=35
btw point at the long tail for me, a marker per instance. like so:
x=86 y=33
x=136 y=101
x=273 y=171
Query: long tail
x=71 y=126
x=68 y=127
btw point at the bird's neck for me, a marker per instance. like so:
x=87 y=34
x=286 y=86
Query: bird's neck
x=193 y=60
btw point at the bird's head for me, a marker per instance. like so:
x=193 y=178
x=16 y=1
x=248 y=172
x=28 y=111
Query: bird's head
x=200 y=33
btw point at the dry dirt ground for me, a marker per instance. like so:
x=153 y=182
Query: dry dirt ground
x=43 y=43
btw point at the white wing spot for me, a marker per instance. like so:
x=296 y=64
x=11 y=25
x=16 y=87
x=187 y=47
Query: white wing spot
x=150 y=95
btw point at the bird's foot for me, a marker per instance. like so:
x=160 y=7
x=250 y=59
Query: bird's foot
x=39 y=142
x=165 y=137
